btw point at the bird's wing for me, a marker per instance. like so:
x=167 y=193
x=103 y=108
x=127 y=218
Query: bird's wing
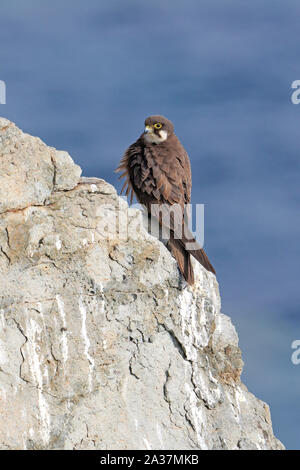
x=163 y=173
x=158 y=175
x=132 y=154
x=169 y=178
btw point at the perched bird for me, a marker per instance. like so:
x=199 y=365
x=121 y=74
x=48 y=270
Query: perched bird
x=157 y=170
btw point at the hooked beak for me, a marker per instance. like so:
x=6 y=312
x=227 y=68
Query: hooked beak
x=148 y=129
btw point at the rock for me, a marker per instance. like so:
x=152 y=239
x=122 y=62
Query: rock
x=102 y=345
x=66 y=173
x=29 y=170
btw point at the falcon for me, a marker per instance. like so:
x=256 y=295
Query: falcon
x=157 y=171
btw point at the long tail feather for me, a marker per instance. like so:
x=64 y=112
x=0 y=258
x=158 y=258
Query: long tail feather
x=198 y=253
x=171 y=217
x=183 y=259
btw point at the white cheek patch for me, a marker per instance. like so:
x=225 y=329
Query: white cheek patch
x=156 y=139
x=163 y=135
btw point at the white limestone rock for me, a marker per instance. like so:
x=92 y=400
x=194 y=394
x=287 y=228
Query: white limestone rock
x=30 y=170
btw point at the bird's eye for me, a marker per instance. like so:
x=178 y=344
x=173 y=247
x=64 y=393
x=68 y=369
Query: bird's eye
x=158 y=125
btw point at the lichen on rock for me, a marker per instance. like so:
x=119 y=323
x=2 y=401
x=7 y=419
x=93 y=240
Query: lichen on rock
x=102 y=345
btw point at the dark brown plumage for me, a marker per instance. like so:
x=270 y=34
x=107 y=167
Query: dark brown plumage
x=157 y=170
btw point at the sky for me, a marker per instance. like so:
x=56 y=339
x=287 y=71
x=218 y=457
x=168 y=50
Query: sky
x=83 y=75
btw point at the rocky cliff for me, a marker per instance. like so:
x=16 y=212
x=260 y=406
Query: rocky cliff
x=102 y=346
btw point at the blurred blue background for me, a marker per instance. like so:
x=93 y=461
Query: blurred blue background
x=83 y=75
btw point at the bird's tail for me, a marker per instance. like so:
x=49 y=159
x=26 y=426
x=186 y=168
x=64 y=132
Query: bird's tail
x=192 y=246
x=181 y=243
x=181 y=251
x=183 y=259
x=200 y=255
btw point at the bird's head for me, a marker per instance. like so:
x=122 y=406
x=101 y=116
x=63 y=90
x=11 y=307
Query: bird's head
x=157 y=129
